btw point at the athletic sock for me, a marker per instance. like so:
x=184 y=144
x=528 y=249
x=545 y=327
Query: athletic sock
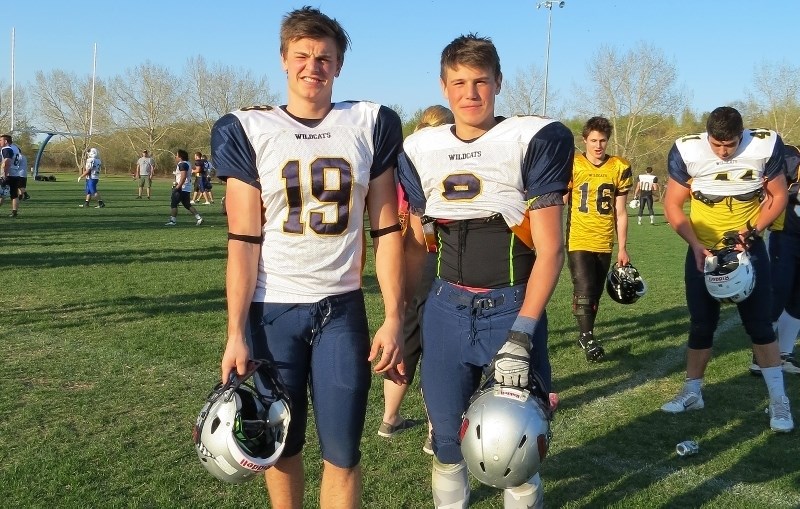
x=693 y=384
x=529 y=495
x=450 y=485
x=773 y=377
x=788 y=328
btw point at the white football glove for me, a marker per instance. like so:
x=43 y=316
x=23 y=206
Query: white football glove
x=511 y=364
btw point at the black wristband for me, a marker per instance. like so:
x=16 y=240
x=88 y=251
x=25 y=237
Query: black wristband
x=385 y=231
x=250 y=239
x=519 y=338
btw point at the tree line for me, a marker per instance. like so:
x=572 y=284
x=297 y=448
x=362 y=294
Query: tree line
x=151 y=106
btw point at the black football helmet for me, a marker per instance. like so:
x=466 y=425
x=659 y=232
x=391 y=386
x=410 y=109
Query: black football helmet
x=624 y=284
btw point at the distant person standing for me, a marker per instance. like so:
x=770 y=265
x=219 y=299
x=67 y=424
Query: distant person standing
x=145 y=167
x=202 y=184
x=23 y=174
x=91 y=171
x=182 y=189
x=10 y=170
x=647 y=184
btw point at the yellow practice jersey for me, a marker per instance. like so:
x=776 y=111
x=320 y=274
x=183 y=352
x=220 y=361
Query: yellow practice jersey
x=593 y=192
x=725 y=194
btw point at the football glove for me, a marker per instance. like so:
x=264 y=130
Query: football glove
x=511 y=364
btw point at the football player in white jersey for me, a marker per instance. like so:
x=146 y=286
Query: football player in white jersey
x=735 y=181
x=474 y=183
x=91 y=171
x=10 y=170
x=181 y=190
x=298 y=179
x=645 y=187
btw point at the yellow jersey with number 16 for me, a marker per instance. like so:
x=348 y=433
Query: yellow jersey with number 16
x=593 y=192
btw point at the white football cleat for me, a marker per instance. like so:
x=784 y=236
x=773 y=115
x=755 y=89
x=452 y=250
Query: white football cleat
x=685 y=400
x=780 y=416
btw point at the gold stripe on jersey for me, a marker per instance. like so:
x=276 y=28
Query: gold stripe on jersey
x=710 y=222
x=593 y=193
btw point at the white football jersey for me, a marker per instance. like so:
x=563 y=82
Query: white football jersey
x=693 y=163
x=23 y=165
x=13 y=170
x=646 y=181
x=93 y=166
x=730 y=186
x=467 y=180
x=187 y=168
x=314 y=182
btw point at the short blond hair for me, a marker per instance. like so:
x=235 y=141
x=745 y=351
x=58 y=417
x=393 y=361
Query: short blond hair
x=435 y=115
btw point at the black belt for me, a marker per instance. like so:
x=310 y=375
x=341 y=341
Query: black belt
x=475 y=301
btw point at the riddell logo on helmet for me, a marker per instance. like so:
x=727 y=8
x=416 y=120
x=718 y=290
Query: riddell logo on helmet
x=718 y=279
x=252 y=466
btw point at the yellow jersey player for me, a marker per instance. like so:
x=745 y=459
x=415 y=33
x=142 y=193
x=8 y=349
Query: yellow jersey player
x=597 y=197
x=735 y=182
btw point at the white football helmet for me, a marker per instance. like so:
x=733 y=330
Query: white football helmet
x=93 y=153
x=634 y=204
x=729 y=275
x=241 y=430
x=505 y=433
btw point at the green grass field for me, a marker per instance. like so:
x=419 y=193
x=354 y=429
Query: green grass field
x=112 y=327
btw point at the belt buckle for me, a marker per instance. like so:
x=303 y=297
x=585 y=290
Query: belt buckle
x=484 y=303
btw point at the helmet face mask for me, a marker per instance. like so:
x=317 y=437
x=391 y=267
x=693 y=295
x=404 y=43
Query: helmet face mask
x=242 y=428
x=729 y=275
x=624 y=284
x=505 y=433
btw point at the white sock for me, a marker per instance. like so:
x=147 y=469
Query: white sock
x=197 y=216
x=788 y=328
x=450 y=485
x=773 y=377
x=173 y=219
x=694 y=384
x=528 y=496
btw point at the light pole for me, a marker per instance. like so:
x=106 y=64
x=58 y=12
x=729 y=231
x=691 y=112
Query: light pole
x=548 y=4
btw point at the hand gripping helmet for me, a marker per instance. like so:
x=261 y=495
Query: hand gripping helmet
x=624 y=284
x=729 y=275
x=242 y=428
x=505 y=433
x=634 y=204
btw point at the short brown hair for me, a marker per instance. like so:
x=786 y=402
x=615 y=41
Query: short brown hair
x=599 y=124
x=472 y=51
x=308 y=22
x=725 y=124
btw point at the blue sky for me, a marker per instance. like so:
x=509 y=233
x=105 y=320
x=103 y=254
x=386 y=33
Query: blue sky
x=715 y=44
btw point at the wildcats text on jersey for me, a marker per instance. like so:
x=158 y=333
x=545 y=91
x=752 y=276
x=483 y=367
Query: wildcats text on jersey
x=461 y=157
x=313 y=136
